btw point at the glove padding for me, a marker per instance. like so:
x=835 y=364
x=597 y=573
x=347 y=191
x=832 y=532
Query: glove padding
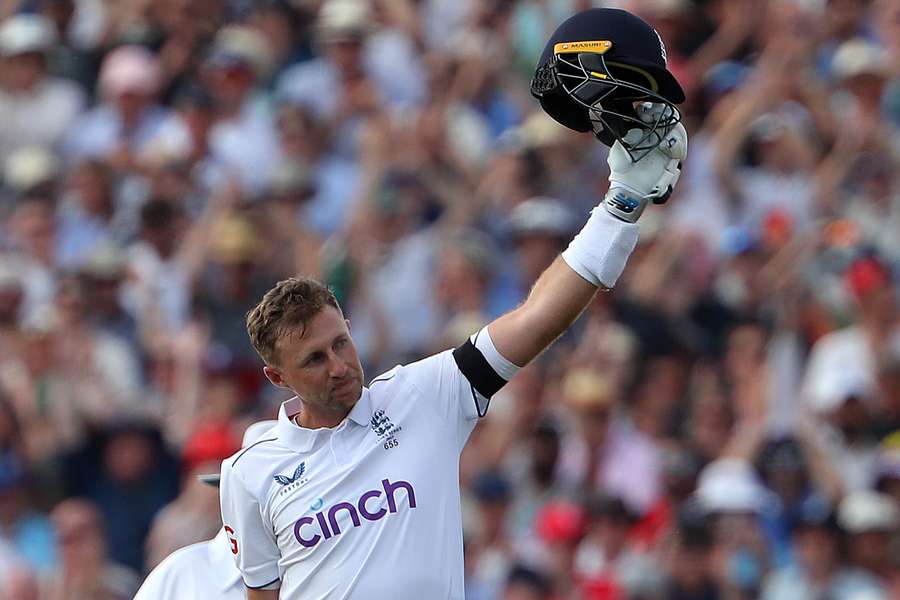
x=651 y=179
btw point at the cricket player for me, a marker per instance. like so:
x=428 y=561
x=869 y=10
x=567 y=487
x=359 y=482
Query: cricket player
x=354 y=493
x=205 y=569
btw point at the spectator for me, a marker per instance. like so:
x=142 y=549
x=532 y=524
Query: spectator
x=37 y=109
x=607 y=564
x=540 y=228
x=524 y=584
x=817 y=570
x=560 y=527
x=194 y=515
x=492 y=550
x=129 y=120
x=729 y=491
x=32 y=234
x=538 y=480
x=85 y=570
x=136 y=480
x=691 y=569
x=355 y=69
x=28 y=531
x=870 y=520
x=87 y=215
x=242 y=139
x=162 y=163
x=605 y=452
x=19 y=584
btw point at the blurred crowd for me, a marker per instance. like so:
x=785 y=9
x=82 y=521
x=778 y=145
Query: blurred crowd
x=724 y=425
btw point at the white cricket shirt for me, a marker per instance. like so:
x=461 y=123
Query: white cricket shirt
x=204 y=570
x=367 y=509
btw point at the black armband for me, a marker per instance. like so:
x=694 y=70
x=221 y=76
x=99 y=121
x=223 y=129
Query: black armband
x=475 y=367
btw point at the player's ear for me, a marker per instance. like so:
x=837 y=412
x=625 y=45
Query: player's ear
x=274 y=375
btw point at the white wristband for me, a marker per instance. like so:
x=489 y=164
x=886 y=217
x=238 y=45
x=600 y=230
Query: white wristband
x=599 y=252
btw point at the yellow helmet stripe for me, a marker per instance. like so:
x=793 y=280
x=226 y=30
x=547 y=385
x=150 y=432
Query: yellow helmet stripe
x=595 y=46
x=654 y=85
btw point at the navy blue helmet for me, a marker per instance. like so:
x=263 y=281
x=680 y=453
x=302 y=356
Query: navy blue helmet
x=598 y=66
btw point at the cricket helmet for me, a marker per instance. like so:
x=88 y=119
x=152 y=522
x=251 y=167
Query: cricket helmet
x=597 y=67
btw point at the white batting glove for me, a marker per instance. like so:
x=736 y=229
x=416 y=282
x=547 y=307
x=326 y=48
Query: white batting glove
x=632 y=185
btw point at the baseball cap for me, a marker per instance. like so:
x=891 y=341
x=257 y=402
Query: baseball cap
x=537 y=130
x=560 y=522
x=815 y=513
x=28 y=167
x=833 y=387
x=865 y=275
x=130 y=68
x=235 y=239
x=725 y=76
x=292 y=177
x=475 y=247
x=523 y=575
x=608 y=505
x=541 y=215
x=784 y=454
x=491 y=487
x=25 y=33
x=730 y=485
x=340 y=20
x=858 y=57
x=865 y=511
x=106 y=262
x=210 y=442
x=236 y=45
x=584 y=388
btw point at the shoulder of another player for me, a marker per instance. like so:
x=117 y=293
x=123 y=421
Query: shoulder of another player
x=163 y=578
x=169 y=577
x=184 y=558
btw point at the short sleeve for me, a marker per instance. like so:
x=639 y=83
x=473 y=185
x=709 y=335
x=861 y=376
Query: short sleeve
x=252 y=540
x=441 y=384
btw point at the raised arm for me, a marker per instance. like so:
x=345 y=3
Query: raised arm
x=597 y=255
x=557 y=298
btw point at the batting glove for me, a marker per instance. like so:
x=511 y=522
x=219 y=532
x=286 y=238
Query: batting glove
x=633 y=184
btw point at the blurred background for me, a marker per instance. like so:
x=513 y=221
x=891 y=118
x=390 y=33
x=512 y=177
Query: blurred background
x=723 y=425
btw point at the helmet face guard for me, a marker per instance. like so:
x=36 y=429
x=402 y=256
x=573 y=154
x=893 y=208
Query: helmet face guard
x=607 y=97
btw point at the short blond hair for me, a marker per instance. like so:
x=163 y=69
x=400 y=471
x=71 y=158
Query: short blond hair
x=285 y=309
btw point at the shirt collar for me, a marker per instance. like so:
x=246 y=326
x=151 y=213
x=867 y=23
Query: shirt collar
x=302 y=439
x=362 y=412
x=220 y=557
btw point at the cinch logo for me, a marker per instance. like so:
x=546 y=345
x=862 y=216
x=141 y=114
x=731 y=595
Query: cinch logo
x=327 y=519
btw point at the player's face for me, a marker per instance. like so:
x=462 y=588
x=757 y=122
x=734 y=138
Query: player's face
x=322 y=367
